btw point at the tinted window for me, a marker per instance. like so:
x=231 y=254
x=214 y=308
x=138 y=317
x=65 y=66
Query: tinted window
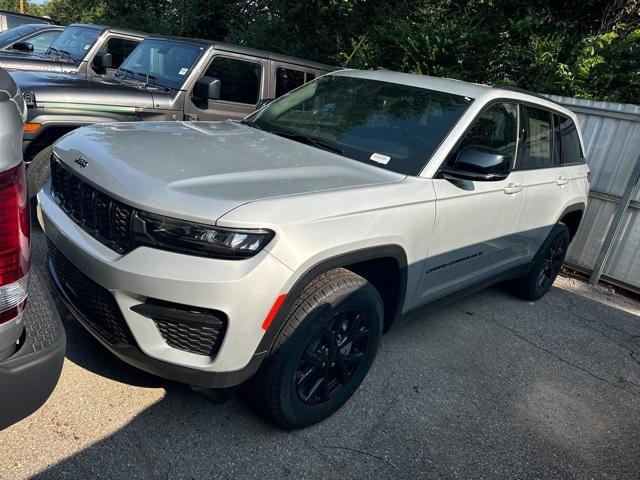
x=74 y=42
x=287 y=80
x=240 y=80
x=119 y=48
x=555 y=142
x=392 y=126
x=571 y=152
x=537 y=145
x=495 y=131
x=166 y=62
x=41 y=41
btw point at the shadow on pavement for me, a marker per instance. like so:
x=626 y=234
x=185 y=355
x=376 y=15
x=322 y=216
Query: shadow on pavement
x=487 y=386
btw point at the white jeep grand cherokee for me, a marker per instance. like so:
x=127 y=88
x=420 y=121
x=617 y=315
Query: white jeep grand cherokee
x=283 y=246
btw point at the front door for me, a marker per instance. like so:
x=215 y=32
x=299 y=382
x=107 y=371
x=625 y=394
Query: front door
x=241 y=84
x=474 y=236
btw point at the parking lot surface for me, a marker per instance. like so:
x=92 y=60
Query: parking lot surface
x=486 y=387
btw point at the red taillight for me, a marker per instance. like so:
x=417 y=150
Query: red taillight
x=14 y=242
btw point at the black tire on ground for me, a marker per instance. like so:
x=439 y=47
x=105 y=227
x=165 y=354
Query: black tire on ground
x=332 y=332
x=39 y=171
x=545 y=266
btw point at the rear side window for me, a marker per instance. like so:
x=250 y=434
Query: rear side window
x=288 y=79
x=571 y=152
x=495 y=131
x=119 y=48
x=240 y=80
x=537 y=148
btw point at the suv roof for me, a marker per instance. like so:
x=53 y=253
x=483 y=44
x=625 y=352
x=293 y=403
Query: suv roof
x=26 y=15
x=457 y=87
x=102 y=28
x=254 y=52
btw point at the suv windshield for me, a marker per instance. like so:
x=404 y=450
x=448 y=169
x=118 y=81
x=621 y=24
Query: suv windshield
x=74 y=42
x=165 y=62
x=393 y=126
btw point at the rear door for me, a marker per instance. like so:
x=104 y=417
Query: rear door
x=474 y=236
x=545 y=179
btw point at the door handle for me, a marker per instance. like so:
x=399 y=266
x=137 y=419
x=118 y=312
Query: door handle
x=512 y=188
x=562 y=181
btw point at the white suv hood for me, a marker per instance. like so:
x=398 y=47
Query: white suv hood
x=201 y=170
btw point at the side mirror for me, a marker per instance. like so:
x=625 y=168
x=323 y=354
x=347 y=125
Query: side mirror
x=474 y=163
x=264 y=102
x=22 y=47
x=207 y=88
x=103 y=60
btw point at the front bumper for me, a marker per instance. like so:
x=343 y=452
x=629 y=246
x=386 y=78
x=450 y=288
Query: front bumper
x=243 y=290
x=28 y=377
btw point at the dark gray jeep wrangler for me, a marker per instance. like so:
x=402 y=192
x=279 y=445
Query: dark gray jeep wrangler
x=173 y=79
x=80 y=48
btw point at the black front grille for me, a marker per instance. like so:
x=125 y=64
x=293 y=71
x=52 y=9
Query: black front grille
x=200 y=339
x=106 y=219
x=95 y=303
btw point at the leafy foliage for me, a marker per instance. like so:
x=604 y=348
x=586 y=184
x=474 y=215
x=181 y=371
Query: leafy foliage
x=586 y=48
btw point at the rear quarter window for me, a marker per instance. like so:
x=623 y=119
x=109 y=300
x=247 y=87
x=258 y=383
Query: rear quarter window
x=570 y=152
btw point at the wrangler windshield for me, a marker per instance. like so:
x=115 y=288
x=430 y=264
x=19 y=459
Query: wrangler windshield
x=393 y=126
x=165 y=62
x=74 y=42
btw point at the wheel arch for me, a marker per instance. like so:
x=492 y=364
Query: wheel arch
x=572 y=217
x=385 y=267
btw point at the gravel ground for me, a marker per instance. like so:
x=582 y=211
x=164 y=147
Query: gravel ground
x=487 y=387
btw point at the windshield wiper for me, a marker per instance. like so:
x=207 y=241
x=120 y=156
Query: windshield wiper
x=50 y=50
x=124 y=73
x=309 y=140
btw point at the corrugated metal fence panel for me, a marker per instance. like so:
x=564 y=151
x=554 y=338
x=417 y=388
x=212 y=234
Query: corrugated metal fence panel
x=612 y=141
x=588 y=242
x=624 y=262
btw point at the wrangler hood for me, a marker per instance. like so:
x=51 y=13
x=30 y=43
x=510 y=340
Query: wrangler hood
x=201 y=170
x=70 y=90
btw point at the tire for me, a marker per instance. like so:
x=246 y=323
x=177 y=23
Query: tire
x=333 y=332
x=545 y=266
x=39 y=171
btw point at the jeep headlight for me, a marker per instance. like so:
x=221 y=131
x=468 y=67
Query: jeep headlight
x=204 y=240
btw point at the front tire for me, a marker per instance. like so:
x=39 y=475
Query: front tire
x=39 y=171
x=545 y=266
x=329 y=342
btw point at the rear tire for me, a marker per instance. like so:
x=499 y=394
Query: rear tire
x=545 y=266
x=326 y=348
x=39 y=171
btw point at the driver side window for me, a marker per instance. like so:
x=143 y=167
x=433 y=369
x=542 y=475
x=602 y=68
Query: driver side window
x=494 y=131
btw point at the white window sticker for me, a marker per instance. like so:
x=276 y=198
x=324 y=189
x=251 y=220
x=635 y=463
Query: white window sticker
x=183 y=71
x=86 y=47
x=378 y=157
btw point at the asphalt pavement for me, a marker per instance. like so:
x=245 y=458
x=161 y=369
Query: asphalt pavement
x=486 y=387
